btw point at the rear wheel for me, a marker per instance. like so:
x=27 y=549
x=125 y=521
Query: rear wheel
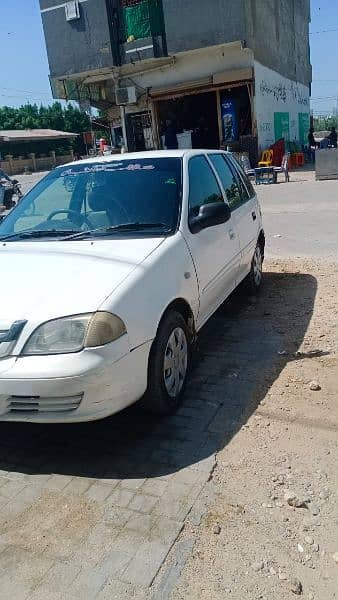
x=255 y=278
x=168 y=365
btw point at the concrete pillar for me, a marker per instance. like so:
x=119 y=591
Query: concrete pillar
x=33 y=159
x=9 y=158
x=53 y=157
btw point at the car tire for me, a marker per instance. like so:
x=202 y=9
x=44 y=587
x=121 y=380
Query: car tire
x=169 y=364
x=255 y=278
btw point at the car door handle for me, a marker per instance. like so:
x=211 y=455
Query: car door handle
x=254 y=216
x=232 y=234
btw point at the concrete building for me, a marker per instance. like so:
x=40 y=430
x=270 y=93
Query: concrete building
x=225 y=72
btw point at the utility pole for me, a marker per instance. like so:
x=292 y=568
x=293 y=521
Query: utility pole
x=124 y=129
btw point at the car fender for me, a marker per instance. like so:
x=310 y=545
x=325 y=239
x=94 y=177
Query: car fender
x=165 y=276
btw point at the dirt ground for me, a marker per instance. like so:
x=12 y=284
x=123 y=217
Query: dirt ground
x=254 y=543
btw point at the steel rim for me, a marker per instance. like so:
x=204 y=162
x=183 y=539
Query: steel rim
x=257 y=266
x=175 y=362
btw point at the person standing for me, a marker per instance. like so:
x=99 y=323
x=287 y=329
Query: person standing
x=170 y=136
x=333 y=138
x=312 y=144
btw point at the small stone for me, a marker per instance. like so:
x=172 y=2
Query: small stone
x=335 y=557
x=217 y=529
x=300 y=548
x=315 y=510
x=309 y=540
x=296 y=587
x=279 y=504
x=325 y=494
x=282 y=576
x=267 y=505
x=316 y=547
x=272 y=571
x=293 y=500
x=311 y=596
x=315 y=386
x=257 y=566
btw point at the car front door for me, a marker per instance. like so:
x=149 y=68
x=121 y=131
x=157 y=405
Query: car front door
x=215 y=250
x=244 y=206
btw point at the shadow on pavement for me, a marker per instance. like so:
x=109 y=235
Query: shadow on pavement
x=241 y=352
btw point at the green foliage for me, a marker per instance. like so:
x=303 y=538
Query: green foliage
x=325 y=123
x=55 y=116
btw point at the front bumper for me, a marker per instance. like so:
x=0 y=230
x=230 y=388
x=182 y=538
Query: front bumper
x=72 y=388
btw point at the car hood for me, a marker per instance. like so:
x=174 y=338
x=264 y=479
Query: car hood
x=42 y=281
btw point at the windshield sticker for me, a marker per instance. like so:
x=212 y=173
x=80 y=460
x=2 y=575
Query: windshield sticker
x=108 y=168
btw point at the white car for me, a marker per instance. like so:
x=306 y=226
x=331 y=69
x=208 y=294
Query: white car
x=105 y=283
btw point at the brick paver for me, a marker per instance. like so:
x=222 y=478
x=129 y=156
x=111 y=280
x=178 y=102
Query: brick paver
x=91 y=510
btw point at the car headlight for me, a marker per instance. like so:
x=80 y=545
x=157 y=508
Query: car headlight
x=72 y=334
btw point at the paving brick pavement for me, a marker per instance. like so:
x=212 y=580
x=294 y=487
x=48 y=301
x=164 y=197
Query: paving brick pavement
x=93 y=510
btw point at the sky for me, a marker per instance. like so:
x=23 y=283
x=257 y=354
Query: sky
x=24 y=65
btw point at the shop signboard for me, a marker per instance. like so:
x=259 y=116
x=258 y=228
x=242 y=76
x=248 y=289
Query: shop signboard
x=282 y=126
x=304 y=126
x=229 y=120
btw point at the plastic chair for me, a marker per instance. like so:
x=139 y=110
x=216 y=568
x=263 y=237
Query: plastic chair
x=267 y=158
x=284 y=168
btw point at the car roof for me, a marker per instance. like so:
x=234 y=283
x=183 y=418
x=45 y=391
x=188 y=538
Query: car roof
x=151 y=154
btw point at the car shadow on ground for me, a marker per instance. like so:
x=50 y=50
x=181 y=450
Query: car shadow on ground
x=240 y=353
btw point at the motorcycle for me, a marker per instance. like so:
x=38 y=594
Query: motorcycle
x=11 y=188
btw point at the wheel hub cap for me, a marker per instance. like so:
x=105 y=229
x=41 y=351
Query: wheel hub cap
x=175 y=362
x=257 y=266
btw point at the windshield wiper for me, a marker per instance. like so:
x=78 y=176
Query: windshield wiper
x=116 y=228
x=39 y=233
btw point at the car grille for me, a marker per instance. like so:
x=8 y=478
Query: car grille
x=38 y=404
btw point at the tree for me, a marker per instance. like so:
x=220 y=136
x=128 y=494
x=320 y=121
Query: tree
x=62 y=118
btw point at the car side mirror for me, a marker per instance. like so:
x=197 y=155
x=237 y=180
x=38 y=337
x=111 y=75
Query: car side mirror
x=210 y=215
x=15 y=181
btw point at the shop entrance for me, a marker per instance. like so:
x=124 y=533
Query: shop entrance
x=219 y=118
x=194 y=119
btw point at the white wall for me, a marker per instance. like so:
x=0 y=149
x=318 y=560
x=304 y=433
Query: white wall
x=274 y=93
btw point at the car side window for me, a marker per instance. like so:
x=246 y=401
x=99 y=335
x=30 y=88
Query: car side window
x=230 y=183
x=203 y=185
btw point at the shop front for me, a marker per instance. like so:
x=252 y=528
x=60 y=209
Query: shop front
x=206 y=115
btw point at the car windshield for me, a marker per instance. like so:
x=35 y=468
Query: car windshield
x=129 y=197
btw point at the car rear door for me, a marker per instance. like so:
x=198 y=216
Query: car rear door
x=215 y=251
x=244 y=206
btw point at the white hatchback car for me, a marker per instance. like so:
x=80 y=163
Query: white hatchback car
x=109 y=268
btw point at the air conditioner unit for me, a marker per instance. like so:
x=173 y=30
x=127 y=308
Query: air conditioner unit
x=126 y=95
x=72 y=9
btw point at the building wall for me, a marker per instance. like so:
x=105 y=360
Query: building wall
x=73 y=47
x=276 y=97
x=278 y=33
x=192 y=24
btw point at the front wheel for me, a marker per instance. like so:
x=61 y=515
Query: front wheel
x=255 y=278
x=168 y=366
